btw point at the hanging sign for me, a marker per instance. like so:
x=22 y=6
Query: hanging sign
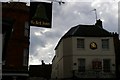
x=41 y=14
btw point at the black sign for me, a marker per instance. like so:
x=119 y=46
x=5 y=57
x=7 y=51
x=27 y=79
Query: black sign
x=41 y=14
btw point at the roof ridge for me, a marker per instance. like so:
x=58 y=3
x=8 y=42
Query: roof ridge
x=75 y=30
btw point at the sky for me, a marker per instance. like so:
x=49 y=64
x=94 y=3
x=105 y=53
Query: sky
x=74 y=12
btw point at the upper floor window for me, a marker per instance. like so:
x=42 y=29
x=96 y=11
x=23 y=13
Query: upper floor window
x=80 y=43
x=105 y=43
x=26 y=30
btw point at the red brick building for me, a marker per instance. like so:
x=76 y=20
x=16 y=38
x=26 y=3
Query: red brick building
x=15 y=31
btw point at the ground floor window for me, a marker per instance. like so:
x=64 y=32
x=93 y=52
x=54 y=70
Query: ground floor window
x=106 y=65
x=81 y=65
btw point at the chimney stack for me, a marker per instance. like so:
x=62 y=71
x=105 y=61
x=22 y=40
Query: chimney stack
x=43 y=62
x=99 y=23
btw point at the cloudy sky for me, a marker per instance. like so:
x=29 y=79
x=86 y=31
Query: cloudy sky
x=65 y=16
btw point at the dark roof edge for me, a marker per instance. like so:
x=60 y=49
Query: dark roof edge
x=63 y=37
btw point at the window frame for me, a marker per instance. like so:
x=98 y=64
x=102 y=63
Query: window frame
x=80 y=43
x=107 y=69
x=105 y=43
x=81 y=68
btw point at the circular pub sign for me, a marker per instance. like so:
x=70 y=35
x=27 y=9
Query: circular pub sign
x=93 y=45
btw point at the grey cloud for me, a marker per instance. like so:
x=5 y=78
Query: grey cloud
x=35 y=42
x=63 y=19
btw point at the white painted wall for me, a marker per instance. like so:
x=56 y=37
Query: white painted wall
x=57 y=64
x=90 y=54
x=87 y=51
x=68 y=54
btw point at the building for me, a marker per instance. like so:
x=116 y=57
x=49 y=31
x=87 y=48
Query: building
x=117 y=51
x=1 y=56
x=40 y=72
x=0 y=42
x=86 y=51
x=15 y=35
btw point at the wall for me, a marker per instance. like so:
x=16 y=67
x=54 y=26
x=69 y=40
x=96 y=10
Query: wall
x=67 y=57
x=90 y=54
x=18 y=42
x=57 y=64
x=69 y=54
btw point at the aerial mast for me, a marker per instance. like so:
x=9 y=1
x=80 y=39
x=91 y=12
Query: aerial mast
x=95 y=14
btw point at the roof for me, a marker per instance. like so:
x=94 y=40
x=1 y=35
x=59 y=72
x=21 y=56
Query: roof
x=86 y=31
x=40 y=71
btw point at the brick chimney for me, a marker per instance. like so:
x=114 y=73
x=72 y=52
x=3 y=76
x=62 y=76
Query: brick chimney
x=99 y=23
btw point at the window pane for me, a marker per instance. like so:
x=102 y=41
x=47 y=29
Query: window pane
x=81 y=65
x=80 y=43
x=106 y=65
x=105 y=43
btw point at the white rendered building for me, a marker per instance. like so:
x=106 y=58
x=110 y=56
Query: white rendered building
x=85 y=51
